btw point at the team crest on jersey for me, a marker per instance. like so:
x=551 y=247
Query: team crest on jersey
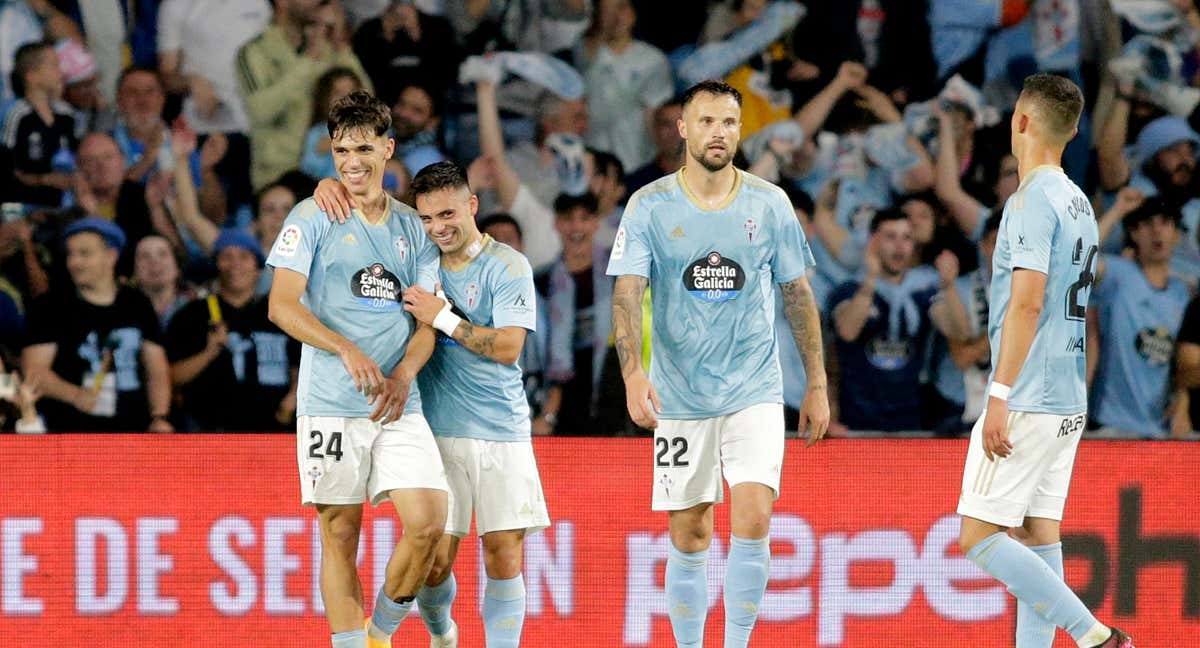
x=714 y=278
x=472 y=295
x=402 y=247
x=751 y=227
x=375 y=286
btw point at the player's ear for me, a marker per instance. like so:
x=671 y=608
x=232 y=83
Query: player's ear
x=391 y=147
x=682 y=127
x=473 y=205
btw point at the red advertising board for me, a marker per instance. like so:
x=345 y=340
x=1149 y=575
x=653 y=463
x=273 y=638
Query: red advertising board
x=200 y=541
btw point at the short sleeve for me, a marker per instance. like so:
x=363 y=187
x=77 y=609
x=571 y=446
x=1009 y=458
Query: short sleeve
x=1190 y=330
x=429 y=261
x=631 y=252
x=792 y=253
x=514 y=302
x=296 y=245
x=1031 y=231
x=170 y=25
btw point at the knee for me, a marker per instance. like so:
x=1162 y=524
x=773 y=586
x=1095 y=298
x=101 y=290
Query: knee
x=340 y=536
x=425 y=534
x=503 y=562
x=751 y=524
x=691 y=538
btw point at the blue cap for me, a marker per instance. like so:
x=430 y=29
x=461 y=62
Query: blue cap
x=109 y=231
x=239 y=239
x=1161 y=133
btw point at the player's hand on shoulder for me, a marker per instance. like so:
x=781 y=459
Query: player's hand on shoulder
x=642 y=400
x=334 y=199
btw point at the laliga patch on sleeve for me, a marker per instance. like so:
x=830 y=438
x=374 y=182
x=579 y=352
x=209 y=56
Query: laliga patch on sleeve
x=289 y=241
x=618 y=250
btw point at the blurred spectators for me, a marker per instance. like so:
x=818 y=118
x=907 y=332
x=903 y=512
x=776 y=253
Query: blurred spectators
x=100 y=368
x=101 y=189
x=118 y=32
x=23 y=22
x=578 y=295
x=81 y=89
x=405 y=46
x=1133 y=319
x=668 y=147
x=416 y=125
x=157 y=274
x=235 y=369
x=274 y=203
x=277 y=71
x=39 y=131
x=881 y=325
x=1186 y=418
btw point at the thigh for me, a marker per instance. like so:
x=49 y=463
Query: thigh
x=687 y=466
x=508 y=489
x=1000 y=491
x=334 y=458
x=752 y=446
x=405 y=456
x=460 y=498
x=1050 y=497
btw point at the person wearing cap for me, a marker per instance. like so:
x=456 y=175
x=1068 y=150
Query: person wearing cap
x=81 y=88
x=234 y=368
x=94 y=347
x=1161 y=162
x=1135 y=313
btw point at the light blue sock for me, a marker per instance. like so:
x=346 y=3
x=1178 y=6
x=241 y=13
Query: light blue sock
x=1031 y=580
x=687 y=595
x=434 y=605
x=387 y=616
x=352 y=639
x=1034 y=631
x=503 y=612
x=745 y=582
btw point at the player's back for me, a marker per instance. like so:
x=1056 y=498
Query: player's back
x=1048 y=226
x=356 y=272
x=466 y=394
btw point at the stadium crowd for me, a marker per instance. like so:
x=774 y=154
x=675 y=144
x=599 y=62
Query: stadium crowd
x=151 y=149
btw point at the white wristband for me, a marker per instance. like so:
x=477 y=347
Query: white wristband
x=999 y=391
x=446 y=321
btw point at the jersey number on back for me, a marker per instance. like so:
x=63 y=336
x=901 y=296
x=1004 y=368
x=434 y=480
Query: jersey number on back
x=1077 y=304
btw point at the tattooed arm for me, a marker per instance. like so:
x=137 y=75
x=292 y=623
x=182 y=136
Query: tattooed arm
x=500 y=344
x=800 y=307
x=640 y=396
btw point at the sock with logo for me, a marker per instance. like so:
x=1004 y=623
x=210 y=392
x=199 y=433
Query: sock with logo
x=1034 y=631
x=434 y=605
x=745 y=583
x=352 y=639
x=387 y=616
x=687 y=595
x=503 y=611
x=1032 y=581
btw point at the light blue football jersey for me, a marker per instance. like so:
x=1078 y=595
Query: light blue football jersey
x=1138 y=326
x=357 y=273
x=1049 y=227
x=466 y=394
x=712 y=275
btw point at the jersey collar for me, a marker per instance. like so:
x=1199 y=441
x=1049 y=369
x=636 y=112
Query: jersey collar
x=1037 y=169
x=695 y=200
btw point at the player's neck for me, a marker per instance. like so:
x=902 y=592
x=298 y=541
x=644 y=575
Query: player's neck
x=1037 y=156
x=711 y=188
x=1157 y=273
x=374 y=205
x=463 y=255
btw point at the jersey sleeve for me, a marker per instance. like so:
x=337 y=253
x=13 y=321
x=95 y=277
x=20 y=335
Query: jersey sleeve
x=1031 y=231
x=792 y=253
x=296 y=246
x=514 y=302
x=631 y=252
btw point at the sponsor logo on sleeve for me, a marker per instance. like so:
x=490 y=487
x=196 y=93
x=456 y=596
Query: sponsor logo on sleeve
x=519 y=306
x=714 y=278
x=289 y=241
x=618 y=251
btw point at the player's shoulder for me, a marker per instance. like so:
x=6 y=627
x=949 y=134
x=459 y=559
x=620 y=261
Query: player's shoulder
x=664 y=190
x=512 y=263
x=756 y=187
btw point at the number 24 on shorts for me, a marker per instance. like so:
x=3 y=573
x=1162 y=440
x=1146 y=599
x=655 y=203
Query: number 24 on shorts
x=664 y=446
x=333 y=449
